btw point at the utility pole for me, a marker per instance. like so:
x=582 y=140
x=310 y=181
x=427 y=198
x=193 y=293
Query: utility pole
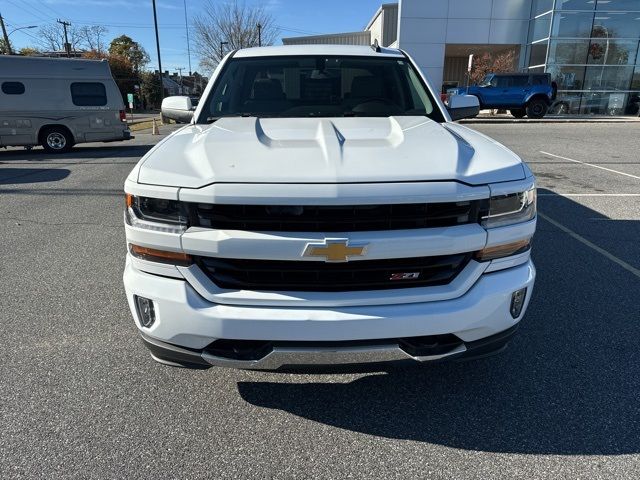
x=222 y=44
x=67 y=46
x=179 y=70
x=259 y=35
x=155 y=22
x=186 y=25
x=6 y=37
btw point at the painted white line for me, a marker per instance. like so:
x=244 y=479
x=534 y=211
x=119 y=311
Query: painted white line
x=588 y=194
x=591 y=165
x=591 y=245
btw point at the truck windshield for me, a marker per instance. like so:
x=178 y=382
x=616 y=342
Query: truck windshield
x=318 y=86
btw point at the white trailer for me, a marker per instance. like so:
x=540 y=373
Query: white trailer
x=58 y=103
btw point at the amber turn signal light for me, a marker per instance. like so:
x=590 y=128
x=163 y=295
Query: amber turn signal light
x=505 y=250
x=129 y=199
x=161 y=256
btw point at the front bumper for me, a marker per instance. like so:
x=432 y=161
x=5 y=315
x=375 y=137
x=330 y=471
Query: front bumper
x=320 y=354
x=188 y=323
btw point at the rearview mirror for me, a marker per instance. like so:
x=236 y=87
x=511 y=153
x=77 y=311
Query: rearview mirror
x=463 y=106
x=178 y=108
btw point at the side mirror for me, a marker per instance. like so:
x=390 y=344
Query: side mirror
x=463 y=106
x=178 y=108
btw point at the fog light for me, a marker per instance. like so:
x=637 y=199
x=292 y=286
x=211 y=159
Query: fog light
x=517 y=302
x=146 y=313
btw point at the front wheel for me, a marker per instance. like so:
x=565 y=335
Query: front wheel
x=518 y=112
x=56 y=140
x=536 y=108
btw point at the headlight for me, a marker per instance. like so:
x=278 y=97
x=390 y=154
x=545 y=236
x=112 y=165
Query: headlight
x=511 y=208
x=156 y=214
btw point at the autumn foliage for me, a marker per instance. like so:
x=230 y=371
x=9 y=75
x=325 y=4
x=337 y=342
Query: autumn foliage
x=487 y=63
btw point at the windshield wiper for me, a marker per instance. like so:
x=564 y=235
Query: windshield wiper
x=235 y=115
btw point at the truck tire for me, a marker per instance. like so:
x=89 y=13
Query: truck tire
x=56 y=140
x=537 y=108
x=518 y=112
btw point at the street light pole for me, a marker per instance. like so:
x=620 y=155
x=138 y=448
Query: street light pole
x=259 y=35
x=186 y=24
x=155 y=22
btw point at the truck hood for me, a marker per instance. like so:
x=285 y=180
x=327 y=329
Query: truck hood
x=337 y=150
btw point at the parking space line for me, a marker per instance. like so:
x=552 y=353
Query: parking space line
x=591 y=245
x=589 y=194
x=590 y=165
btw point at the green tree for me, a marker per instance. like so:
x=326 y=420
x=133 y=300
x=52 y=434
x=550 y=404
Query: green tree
x=150 y=89
x=29 y=52
x=3 y=46
x=124 y=46
x=121 y=69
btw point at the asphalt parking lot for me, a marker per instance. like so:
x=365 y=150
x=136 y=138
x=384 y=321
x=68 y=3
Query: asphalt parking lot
x=81 y=397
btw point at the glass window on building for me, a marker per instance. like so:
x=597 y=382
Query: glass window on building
x=620 y=5
x=538 y=54
x=566 y=102
x=568 y=52
x=617 y=24
x=635 y=81
x=604 y=103
x=575 y=4
x=568 y=77
x=608 y=78
x=572 y=24
x=633 y=105
x=541 y=6
x=539 y=28
x=605 y=51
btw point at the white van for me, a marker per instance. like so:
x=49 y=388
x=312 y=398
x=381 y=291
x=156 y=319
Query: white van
x=57 y=103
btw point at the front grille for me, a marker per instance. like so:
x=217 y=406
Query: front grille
x=243 y=274
x=325 y=218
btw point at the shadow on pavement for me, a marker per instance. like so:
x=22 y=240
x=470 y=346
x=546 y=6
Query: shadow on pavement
x=80 y=152
x=568 y=384
x=15 y=176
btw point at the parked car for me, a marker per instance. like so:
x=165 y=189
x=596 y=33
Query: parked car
x=58 y=103
x=322 y=207
x=520 y=93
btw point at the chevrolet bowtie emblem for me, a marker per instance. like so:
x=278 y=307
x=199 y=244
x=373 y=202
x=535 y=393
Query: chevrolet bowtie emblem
x=335 y=250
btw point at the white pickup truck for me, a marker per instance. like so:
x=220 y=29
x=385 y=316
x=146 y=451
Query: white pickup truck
x=322 y=207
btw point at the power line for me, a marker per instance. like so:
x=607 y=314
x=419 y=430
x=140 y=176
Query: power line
x=32 y=11
x=44 y=4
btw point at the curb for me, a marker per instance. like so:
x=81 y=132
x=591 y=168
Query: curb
x=547 y=120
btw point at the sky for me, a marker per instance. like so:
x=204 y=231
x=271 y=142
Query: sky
x=135 y=18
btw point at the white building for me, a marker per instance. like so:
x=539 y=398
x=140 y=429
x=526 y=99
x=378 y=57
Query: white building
x=441 y=34
x=591 y=48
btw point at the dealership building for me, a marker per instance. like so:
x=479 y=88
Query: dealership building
x=591 y=48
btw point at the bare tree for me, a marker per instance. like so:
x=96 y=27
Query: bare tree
x=88 y=37
x=228 y=26
x=52 y=37
x=93 y=37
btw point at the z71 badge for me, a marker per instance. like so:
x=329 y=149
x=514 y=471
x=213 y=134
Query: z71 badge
x=405 y=276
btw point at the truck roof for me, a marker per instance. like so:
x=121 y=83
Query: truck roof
x=296 y=50
x=14 y=66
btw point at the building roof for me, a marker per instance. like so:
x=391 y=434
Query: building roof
x=384 y=6
x=347 y=50
x=347 y=38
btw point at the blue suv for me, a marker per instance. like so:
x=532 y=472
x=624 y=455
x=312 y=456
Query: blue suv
x=520 y=93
